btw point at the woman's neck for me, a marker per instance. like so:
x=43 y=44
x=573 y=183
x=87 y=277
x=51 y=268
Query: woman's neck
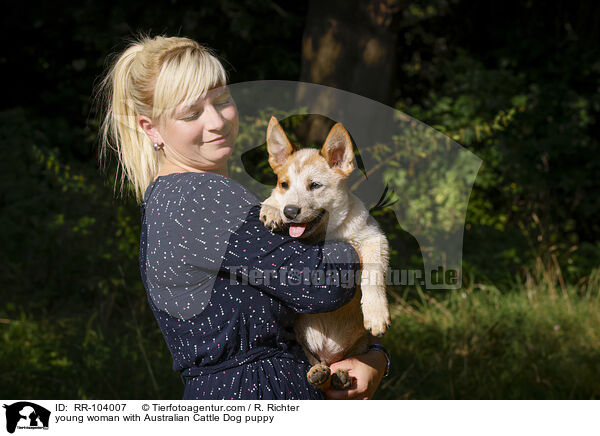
x=167 y=167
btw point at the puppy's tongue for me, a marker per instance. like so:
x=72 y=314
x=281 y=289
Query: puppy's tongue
x=296 y=230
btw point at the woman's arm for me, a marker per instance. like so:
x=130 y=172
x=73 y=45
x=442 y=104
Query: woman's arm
x=204 y=227
x=307 y=278
x=214 y=226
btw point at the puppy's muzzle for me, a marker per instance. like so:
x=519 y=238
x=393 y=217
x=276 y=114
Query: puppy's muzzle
x=291 y=211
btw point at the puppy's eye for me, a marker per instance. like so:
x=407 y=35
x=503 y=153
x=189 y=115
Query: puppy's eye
x=314 y=185
x=284 y=185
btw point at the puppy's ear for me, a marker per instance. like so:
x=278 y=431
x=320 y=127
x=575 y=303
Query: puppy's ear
x=337 y=150
x=278 y=144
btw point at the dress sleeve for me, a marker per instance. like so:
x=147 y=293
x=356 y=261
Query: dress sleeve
x=224 y=235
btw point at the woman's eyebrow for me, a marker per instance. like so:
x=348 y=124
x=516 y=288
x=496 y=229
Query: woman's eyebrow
x=186 y=109
x=221 y=94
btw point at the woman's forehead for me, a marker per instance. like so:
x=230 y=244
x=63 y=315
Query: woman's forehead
x=208 y=96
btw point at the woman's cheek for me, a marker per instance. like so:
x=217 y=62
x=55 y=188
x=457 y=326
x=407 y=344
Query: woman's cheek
x=231 y=114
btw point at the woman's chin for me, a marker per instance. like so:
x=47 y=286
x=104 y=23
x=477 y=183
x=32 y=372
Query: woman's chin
x=220 y=153
x=220 y=157
x=226 y=151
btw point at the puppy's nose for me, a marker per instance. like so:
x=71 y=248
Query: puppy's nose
x=291 y=211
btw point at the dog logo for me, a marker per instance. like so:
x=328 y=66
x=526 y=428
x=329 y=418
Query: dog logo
x=26 y=415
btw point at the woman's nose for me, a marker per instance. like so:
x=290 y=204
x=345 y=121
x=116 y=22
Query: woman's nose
x=214 y=119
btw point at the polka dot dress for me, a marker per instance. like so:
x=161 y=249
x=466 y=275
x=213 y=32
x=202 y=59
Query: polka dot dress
x=225 y=290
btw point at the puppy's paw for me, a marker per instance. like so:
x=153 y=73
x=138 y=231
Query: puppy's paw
x=271 y=217
x=377 y=324
x=341 y=380
x=319 y=376
x=376 y=315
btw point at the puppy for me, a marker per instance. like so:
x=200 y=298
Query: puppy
x=312 y=201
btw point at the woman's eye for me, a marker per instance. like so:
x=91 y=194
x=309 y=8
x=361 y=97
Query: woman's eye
x=284 y=185
x=224 y=103
x=193 y=117
x=314 y=185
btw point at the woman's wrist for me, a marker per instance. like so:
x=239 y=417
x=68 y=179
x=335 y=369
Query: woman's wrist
x=381 y=351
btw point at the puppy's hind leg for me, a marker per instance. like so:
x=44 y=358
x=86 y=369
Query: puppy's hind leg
x=319 y=376
x=341 y=379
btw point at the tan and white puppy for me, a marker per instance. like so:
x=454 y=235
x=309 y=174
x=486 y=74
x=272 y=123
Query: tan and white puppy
x=312 y=201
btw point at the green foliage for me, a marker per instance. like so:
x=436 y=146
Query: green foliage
x=533 y=124
x=74 y=308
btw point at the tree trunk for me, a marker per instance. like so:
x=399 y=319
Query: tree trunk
x=349 y=45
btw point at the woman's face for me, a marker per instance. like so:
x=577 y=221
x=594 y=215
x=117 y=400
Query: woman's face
x=201 y=137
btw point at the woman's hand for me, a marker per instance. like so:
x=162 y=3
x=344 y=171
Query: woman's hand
x=368 y=370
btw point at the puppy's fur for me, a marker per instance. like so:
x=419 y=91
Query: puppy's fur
x=312 y=201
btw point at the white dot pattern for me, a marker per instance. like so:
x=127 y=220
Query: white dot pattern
x=231 y=337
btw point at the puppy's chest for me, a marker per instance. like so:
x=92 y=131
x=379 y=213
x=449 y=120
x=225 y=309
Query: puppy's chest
x=355 y=233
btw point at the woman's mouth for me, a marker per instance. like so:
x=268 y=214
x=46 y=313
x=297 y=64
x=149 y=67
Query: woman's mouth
x=219 y=140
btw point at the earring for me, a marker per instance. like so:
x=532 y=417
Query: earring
x=158 y=147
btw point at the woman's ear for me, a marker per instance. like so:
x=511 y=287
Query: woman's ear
x=150 y=129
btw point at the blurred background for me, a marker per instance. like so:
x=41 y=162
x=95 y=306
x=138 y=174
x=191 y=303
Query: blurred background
x=515 y=82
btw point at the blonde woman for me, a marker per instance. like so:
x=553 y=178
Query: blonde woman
x=173 y=124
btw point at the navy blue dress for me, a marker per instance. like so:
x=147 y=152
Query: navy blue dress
x=225 y=290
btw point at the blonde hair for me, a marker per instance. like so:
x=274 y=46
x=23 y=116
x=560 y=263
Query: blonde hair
x=151 y=77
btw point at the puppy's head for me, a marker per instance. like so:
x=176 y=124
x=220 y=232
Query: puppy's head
x=311 y=184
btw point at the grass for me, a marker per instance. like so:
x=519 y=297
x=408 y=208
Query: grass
x=538 y=340
x=83 y=357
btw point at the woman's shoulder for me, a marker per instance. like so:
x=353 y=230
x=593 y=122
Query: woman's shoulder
x=205 y=187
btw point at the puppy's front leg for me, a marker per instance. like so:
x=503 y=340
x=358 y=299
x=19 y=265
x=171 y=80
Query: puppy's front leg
x=374 y=256
x=270 y=213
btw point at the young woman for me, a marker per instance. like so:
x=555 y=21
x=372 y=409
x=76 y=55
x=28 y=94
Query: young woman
x=223 y=288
